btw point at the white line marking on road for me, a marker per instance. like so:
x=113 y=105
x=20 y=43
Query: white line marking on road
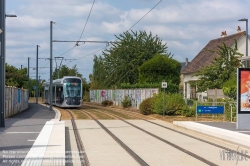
x=18 y=132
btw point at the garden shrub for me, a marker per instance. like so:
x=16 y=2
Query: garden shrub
x=107 y=103
x=157 y=103
x=146 y=106
x=188 y=111
x=174 y=103
x=126 y=102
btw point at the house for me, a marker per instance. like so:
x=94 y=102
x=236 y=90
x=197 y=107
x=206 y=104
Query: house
x=183 y=65
x=205 y=57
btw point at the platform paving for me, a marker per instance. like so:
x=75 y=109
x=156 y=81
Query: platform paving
x=226 y=125
x=20 y=132
x=222 y=130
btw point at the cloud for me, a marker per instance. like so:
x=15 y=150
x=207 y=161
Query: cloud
x=186 y=26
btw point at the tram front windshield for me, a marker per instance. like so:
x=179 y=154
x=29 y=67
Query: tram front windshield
x=72 y=88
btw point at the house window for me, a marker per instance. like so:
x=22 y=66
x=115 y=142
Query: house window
x=193 y=92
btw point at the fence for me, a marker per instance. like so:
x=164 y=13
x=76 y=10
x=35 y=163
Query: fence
x=16 y=100
x=118 y=95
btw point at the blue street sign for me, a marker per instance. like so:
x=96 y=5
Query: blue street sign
x=34 y=87
x=210 y=109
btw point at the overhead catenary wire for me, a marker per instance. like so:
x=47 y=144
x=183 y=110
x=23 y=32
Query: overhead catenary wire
x=81 y=33
x=86 y=22
x=77 y=44
x=144 y=15
x=126 y=31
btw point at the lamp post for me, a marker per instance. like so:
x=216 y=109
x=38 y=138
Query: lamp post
x=2 y=61
x=37 y=74
x=51 y=65
x=28 y=74
x=244 y=19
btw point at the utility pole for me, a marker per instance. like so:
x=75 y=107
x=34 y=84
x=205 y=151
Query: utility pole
x=2 y=63
x=28 y=74
x=58 y=69
x=51 y=65
x=2 y=60
x=37 y=74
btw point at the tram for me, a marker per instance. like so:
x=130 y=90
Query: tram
x=66 y=92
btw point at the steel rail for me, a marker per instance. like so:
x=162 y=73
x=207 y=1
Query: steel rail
x=169 y=143
x=124 y=146
x=188 y=135
x=83 y=156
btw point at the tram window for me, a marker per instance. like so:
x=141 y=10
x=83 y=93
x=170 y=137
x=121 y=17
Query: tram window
x=73 y=90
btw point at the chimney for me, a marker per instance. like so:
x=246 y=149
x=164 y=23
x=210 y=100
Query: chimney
x=238 y=29
x=186 y=62
x=223 y=33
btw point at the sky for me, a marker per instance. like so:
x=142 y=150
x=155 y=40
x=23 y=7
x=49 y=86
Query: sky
x=185 y=25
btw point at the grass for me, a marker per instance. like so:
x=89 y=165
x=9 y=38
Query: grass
x=99 y=115
x=124 y=116
x=80 y=114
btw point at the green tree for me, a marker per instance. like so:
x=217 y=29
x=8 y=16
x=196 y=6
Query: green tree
x=15 y=77
x=120 y=63
x=215 y=75
x=160 y=68
x=66 y=71
x=230 y=87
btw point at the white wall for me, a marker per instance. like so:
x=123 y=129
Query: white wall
x=242 y=45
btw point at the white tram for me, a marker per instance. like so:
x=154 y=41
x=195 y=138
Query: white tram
x=66 y=92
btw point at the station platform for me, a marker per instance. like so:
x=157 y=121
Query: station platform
x=31 y=136
x=223 y=130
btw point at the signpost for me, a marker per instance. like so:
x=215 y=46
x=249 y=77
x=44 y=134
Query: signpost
x=210 y=110
x=164 y=86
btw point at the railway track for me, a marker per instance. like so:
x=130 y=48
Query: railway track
x=168 y=128
x=83 y=156
x=164 y=140
x=123 y=145
x=88 y=110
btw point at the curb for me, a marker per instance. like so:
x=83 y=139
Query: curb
x=227 y=135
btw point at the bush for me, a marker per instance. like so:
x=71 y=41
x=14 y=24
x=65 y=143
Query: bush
x=107 y=103
x=188 y=111
x=146 y=106
x=126 y=102
x=174 y=103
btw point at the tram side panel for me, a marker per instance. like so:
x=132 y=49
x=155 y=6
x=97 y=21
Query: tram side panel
x=63 y=96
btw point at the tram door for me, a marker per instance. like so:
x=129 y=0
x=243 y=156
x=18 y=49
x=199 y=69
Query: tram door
x=59 y=95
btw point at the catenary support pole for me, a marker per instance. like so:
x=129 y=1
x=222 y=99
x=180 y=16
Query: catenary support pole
x=51 y=66
x=2 y=63
x=37 y=74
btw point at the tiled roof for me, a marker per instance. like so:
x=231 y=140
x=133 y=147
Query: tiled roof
x=183 y=65
x=205 y=57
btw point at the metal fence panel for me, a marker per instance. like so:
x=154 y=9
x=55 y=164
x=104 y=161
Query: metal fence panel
x=16 y=100
x=118 y=95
